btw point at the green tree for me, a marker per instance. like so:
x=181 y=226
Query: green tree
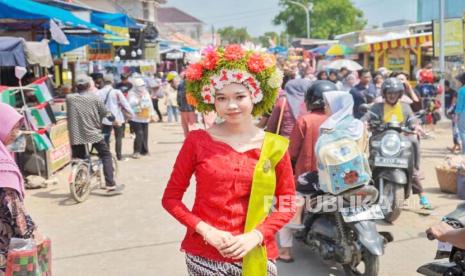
x=327 y=19
x=231 y=35
x=264 y=39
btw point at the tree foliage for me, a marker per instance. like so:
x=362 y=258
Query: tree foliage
x=264 y=39
x=327 y=19
x=230 y=35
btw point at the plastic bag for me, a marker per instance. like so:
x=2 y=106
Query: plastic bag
x=27 y=258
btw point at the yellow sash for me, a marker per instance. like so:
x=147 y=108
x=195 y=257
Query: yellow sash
x=393 y=112
x=263 y=187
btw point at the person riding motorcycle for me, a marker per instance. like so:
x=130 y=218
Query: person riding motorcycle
x=392 y=109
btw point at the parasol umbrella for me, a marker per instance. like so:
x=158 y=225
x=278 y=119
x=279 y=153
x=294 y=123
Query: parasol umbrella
x=320 y=50
x=347 y=63
x=338 y=50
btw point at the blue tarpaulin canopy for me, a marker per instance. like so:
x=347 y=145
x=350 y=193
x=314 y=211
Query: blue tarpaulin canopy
x=114 y=19
x=75 y=41
x=30 y=10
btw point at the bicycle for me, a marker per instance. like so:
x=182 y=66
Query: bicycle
x=87 y=174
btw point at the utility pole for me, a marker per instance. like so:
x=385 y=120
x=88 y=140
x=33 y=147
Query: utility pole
x=441 y=50
x=307 y=13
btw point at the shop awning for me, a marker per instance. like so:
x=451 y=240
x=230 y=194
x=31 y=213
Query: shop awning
x=30 y=10
x=411 y=41
x=113 y=19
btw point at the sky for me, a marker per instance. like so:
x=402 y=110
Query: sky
x=257 y=15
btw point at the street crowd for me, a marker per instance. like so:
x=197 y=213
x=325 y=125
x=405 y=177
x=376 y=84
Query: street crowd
x=250 y=120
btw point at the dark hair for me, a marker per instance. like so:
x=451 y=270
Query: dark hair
x=319 y=74
x=363 y=72
x=96 y=76
x=447 y=83
x=461 y=78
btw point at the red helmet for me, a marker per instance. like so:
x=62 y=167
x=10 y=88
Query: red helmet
x=426 y=77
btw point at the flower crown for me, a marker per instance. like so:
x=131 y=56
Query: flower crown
x=233 y=64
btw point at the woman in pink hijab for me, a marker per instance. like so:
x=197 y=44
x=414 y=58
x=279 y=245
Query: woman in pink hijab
x=14 y=221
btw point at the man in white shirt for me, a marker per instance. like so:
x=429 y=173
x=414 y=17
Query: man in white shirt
x=116 y=103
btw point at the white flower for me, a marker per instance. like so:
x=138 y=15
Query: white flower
x=276 y=79
x=250 y=46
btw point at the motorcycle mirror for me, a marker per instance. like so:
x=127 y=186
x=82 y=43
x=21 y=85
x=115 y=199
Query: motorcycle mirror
x=363 y=108
x=421 y=113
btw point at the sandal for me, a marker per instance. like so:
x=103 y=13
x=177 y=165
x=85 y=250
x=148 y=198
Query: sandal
x=425 y=203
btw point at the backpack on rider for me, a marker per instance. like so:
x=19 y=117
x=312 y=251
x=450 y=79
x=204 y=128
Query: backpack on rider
x=342 y=165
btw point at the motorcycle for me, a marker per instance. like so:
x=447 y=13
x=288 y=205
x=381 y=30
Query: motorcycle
x=455 y=264
x=392 y=162
x=343 y=230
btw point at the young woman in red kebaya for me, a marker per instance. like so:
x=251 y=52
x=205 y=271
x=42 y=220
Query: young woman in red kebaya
x=239 y=168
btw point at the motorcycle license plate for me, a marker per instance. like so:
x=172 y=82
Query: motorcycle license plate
x=444 y=246
x=350 y=214
x=391 y=162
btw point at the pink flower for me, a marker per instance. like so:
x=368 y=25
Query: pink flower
x=256 y=64
x=210 y=60
x=194 y=72
x=233 y=52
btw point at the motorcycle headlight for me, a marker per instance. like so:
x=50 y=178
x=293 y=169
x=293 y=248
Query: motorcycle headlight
x=390 y=144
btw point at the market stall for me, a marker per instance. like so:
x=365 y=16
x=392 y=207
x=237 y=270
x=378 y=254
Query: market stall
x=397 y=54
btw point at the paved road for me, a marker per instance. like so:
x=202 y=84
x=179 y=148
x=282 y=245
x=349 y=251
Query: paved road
x=132 y=235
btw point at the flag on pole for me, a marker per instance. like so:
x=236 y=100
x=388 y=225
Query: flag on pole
x=41 y=90
x=39 y=117
x=41 y=140
x=7 y=96
x=57 y=33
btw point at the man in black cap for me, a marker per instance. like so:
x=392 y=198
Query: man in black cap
x=125 y=85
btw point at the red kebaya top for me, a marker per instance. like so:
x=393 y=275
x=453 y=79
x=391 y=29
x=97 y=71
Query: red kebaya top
x=224 y=181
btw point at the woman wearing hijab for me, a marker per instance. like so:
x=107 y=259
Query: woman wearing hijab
x=14 y=220
x=293 y=105
x=141 y=103
x=339 y=106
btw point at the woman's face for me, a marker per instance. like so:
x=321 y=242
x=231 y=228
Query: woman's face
x=332 y=76
x=323 y=76
x=13 y=134
x=233 y=103
x=392 y=97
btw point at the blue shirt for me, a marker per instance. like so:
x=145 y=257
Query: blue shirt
x=460 y=106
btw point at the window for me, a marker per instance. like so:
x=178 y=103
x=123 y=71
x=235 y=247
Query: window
x=145 y=9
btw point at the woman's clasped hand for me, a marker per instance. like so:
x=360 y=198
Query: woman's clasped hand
x=230 y=246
